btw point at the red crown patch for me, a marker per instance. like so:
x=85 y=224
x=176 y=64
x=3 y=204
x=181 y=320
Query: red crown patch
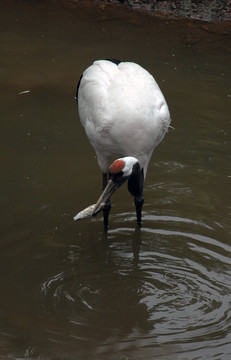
x=116 y=166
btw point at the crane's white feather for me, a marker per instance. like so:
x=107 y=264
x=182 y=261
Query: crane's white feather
x=123 y=111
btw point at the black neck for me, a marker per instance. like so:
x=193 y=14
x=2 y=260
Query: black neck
x=136 y=181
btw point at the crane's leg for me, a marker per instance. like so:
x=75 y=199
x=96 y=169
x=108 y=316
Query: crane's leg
x=107 y=206
x=139 y=200
x=136 y=186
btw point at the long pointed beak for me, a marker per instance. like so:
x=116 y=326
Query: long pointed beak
x=108 y=191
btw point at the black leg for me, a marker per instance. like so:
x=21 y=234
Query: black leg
x=135 y=186
x=107 y=206
x=139 y=203
x=106 y=211
x=104 y=180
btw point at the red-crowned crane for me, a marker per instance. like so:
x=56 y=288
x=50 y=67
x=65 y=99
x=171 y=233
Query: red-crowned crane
x=124 y=113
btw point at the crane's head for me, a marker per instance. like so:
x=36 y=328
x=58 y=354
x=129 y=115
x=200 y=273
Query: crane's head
x=122 y=169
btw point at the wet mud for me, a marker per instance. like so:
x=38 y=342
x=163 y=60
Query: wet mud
x=205 y=10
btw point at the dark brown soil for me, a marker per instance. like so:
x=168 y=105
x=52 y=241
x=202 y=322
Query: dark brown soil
x=205 y=10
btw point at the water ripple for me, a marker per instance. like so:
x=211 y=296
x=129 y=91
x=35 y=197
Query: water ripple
x=174 y=286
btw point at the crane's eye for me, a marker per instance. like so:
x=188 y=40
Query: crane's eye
x=117 y=177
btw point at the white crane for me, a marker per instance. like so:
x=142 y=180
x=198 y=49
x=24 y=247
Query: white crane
x=125 y=115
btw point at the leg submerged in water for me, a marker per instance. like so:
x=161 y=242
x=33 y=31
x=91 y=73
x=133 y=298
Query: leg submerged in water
x=139 y=204
x=107 y=206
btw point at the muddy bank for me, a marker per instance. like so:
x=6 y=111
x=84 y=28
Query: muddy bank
x=205 y=10
x=191 y=30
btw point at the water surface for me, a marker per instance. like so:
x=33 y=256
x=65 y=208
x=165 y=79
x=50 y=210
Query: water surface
x=69 y=291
